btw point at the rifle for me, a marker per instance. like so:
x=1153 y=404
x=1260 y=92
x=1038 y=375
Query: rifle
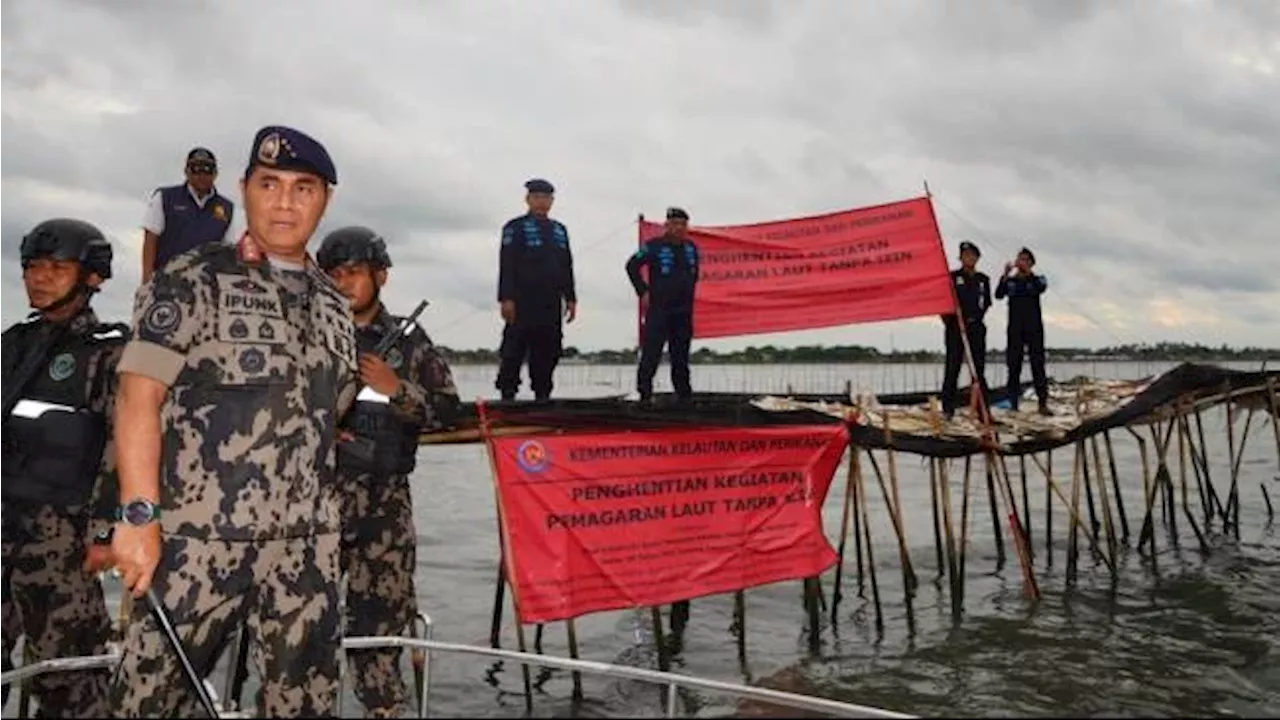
x=28 y=370
x=363 y=448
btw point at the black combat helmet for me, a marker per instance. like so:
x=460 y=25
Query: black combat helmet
x=67 y=239
x=353 y=244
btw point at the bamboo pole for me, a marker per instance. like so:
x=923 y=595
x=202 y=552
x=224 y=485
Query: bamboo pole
x=1234 y=501
x=1184 y=431
x=740 y=623
x=1106 y=505
x=1026 y=504
x=1030 y=586
x=1215 y=501
x=1048 y=506
x=964 y=522
x=934 y=502
x=836 y=590
x=1274 y=394
x=1115 y=484
x=1231 y=456
x=908 y=577
x=1073 y=545
x=866 y=532
x=572 y=631
x=957 y=580
x=1186 y=501
x=1073 y=509
x=908 y=571
x=995 y=513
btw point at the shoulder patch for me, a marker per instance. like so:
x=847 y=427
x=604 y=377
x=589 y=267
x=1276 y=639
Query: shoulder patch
x=162 y=318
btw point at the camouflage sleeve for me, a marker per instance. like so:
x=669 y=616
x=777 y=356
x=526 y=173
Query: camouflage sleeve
x=103 y=383
x=169 y=312
x=429 y=395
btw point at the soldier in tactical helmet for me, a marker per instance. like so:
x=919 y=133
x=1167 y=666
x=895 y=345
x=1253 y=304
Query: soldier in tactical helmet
x=242 y=362
x=59 y=369
x=406 y=391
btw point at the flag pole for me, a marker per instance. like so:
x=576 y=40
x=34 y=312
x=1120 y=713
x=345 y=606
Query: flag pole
x=977 y=398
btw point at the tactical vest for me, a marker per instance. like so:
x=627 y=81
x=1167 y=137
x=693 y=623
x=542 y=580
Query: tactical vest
x=187 y=225
x=543 y=275
x=390 y=444
x=672 y=273
x=53 y=442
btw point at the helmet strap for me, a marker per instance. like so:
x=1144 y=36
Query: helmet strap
x=81 y=288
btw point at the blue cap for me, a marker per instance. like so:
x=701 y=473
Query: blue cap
x=966 y=245
x=284 y=148
x=538 y=185
x=675 y=213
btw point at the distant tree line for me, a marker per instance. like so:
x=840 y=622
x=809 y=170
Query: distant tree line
x=828 y=354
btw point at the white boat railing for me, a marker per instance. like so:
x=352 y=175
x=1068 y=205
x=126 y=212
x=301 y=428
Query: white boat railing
x=672 y=681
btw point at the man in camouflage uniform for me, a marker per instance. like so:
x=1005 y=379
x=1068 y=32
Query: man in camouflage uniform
x=58 y=373
x=243 y=360
x=411 y=390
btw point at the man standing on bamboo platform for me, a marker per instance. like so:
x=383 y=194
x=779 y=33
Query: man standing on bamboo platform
x=1026 y=327
x=409 y=391
x=672 y=263
x=973 y=294
x=536 y=294
x=242 y=362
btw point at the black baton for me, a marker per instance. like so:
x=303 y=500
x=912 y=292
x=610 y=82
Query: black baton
x=188 y=669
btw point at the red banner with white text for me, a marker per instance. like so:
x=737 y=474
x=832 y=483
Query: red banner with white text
x=615 y=520
x=866 y=265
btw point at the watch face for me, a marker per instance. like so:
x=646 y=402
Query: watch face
x=138 y=513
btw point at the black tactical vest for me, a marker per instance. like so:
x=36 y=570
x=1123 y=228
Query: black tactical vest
x=387 y=444
x=53 y=441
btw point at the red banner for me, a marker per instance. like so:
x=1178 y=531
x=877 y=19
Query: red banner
x=866 y=265
x=615 y=520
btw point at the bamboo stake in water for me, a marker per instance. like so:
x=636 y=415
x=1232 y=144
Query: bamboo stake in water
x=1102 y=500
x=1216 y=502
x=909 y=577
x=1026 y=504
x=866 y=533
x=1115 y=484
x=908 y=572
x=1186 y=501
x=995 y=513
x=1234 y=501
x=964 y=521
x=1073 y=545
x=1274 y=393
x=1073 y=511
x=1048 y=507
x=837 y=591
x=1184 y=431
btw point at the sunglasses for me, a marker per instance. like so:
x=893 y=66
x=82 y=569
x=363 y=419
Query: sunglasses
x=202 y=169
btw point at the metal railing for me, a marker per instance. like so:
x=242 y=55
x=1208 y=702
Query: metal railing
x=672 y=681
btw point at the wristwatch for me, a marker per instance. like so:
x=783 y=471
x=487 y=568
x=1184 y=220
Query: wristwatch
x=138 y=512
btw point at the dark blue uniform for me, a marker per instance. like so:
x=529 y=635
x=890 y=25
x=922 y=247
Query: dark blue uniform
x=673 y=276
x=973 y=292
x=1026 y=329
x=187 y=224
x=536 y=272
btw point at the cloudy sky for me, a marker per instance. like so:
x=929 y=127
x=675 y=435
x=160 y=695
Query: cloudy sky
x=1134 y=145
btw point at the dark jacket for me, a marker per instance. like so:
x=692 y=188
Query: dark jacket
x=673 y=273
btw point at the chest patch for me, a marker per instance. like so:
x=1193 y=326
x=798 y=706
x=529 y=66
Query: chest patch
x=62 y=367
